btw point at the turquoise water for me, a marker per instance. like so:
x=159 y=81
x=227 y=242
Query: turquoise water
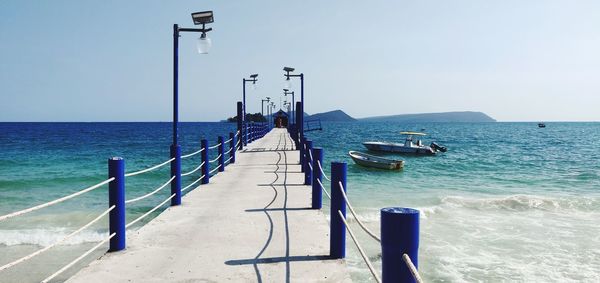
x=507 y=202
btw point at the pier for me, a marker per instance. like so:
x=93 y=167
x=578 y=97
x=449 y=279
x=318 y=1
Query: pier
x=251 y=223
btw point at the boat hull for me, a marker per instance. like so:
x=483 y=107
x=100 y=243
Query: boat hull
x=367 y=160
x=398 y=148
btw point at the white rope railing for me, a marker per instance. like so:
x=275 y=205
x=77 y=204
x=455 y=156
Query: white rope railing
x=211 y=171
x=20 y=212
x=192 y=154
x=214 y=146
x=190 y=185
x=228 y=159
x=311 y=169
x=360 y=249
x=310 y=153
x=78 y=259
x=196 y=169
x=322 y=187
x=11 y=264
x=237 y=133
x=237 y=145
x=412 y=268
x=356 y=217
x=149 y=169
x=151 y=193
x=229 y=151
x=150 y=211
x=323 y=172
x=211 y=161
x=230 y=139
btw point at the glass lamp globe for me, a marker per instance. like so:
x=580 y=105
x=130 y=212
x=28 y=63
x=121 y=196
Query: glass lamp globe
x=204 y=44
x=287 y=84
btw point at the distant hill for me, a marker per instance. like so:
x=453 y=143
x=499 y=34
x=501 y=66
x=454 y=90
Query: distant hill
x=332 y=116
x=464 y=116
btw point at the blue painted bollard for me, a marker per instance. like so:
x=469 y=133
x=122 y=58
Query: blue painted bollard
x=337 y=230
x=116 y=197
x=399 y=235
x=232 y=142
x=221 y=148
x=302 y=154
x=308 y=161
x=206 y=166
x=176 y=171
x=317 y=192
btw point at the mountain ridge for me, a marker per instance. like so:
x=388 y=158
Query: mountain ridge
x=453 y=116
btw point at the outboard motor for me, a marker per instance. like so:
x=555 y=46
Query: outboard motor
x=438 y=147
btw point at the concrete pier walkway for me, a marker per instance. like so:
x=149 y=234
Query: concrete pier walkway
x=252 y=223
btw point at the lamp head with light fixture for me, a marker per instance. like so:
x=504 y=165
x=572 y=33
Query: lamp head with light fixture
x=202 y=18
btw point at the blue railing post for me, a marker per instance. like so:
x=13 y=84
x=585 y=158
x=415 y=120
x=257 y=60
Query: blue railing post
x=399 y=235
x=221 y=148
x=302 y=155
x=176 y=171
x=116 y=197
x=317 y=193
x=205 y=167
x=337 y=232
x=308 y=161
x=239 y=123
x=232 y=147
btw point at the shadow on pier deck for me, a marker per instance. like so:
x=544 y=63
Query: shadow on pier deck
x=253 y=222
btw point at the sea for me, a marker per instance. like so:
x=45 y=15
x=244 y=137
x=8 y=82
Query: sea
x=508 y=202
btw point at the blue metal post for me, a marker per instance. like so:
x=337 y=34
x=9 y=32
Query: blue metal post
x=337 y=232
x=116 y=197
x=302 y=155
x=240 y=123
x=244 y=114
x=176 y=171
x=299 y=122
x=232 y=147
x=205 y=167
x=308 y=161
x=250 y=132
x=175 y=81
x=221 y=148
x=317 y=192
x=399 y=235
x=302 y=108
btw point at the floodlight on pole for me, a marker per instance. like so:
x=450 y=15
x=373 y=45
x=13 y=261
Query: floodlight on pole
x=300 y=122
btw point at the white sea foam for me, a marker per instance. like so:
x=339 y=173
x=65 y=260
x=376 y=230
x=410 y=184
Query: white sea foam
x=46 y=237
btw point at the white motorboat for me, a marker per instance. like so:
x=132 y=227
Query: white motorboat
x=407 y=147
x=368 y=160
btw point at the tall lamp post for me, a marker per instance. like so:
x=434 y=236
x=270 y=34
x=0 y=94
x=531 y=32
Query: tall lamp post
x=271 y=107
x=203 y=45
x=253 y=79
x=299 y=124
x=286 y=92
x=262 y=103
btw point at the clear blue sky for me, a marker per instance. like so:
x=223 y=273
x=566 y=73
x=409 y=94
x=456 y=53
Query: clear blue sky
x=112 y=60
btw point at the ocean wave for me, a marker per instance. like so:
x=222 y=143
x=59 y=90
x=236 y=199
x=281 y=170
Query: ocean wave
x=524 y=202
x=46 y=237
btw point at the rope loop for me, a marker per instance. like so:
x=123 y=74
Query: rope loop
x=149 y=169
x=192 y=154
x=323 y=172
x=24 y=211
x=360 y=249
x=378 y=239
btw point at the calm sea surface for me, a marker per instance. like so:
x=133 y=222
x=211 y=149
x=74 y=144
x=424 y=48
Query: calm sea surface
x=507 y=202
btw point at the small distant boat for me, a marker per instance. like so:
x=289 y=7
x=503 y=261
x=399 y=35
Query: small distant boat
x=541 y=125
x=407 y=147
x=368 y=160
